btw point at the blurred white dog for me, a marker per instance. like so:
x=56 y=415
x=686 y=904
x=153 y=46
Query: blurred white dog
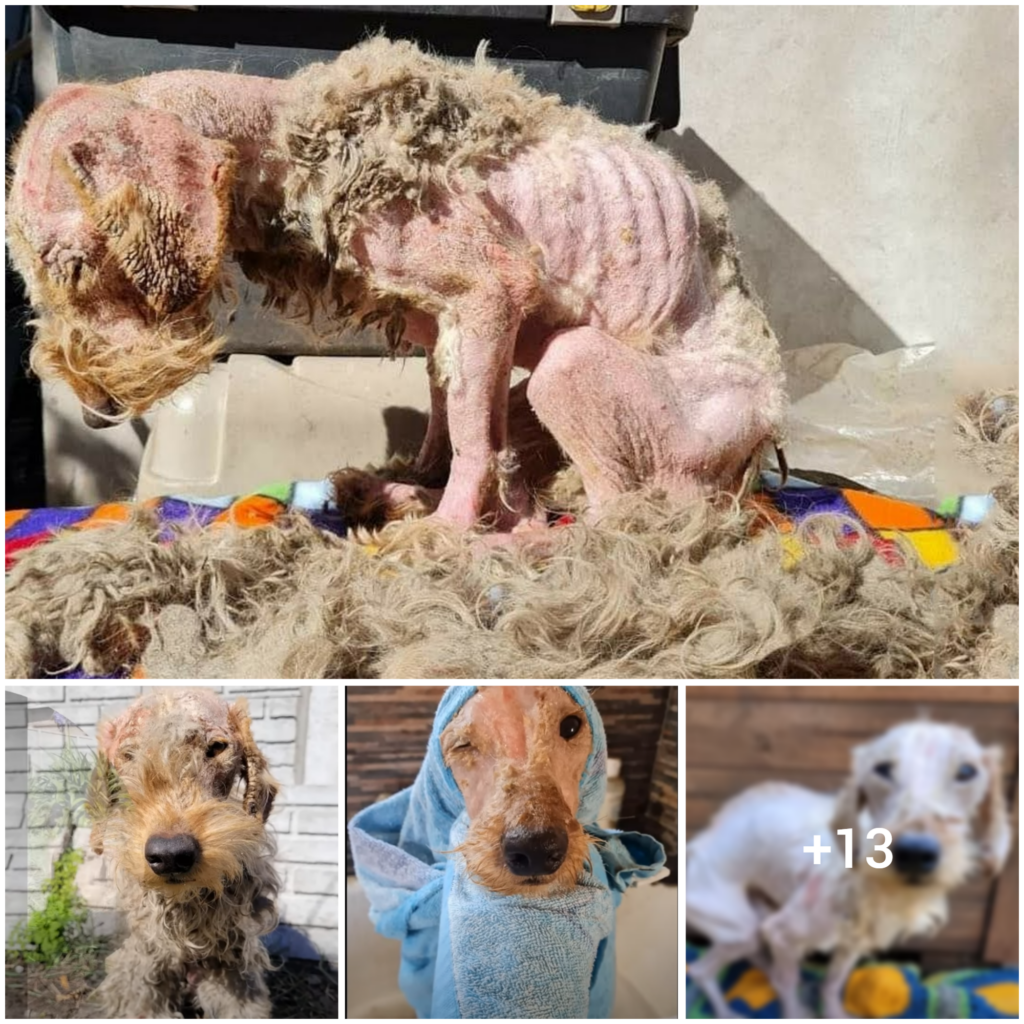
x=750 y=884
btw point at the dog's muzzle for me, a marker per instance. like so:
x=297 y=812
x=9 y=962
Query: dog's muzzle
x=97 y=417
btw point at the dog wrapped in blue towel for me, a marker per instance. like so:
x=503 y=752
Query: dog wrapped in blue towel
x=490 y=868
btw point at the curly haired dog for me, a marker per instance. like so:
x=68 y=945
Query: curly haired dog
x=751 y=882
x=192 y=856
x=449 y=204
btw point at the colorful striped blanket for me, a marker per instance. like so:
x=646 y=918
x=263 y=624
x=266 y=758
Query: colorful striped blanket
x=933 y=534
x=876 y=990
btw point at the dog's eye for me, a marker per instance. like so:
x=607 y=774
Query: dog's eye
x=570 y=726
x=966 y=772
x=457 y=745
x=215 y=748
x=884 y=768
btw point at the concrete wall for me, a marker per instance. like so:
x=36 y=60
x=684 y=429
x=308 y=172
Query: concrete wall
x=870 y=158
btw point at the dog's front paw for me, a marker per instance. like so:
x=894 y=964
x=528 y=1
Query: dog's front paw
x=730 y=1014
x=834 y=1010
x=795 y=1009
x=364 y=499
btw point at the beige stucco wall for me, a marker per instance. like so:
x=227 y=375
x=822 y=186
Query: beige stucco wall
x=870 y=157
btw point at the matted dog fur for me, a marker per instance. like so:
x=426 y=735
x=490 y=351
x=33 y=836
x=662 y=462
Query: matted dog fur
x=399 y=189
x=336 y=136
x=651 y=590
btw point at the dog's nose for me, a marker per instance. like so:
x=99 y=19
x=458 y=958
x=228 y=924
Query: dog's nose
x=538 y=852
x=171 y=855
x=96 y=416
x=916 y=854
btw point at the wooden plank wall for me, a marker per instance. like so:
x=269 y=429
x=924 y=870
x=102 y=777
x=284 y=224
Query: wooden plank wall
x=1002 y=939
x=387 y=728
x=739 y=735
x=662 y=816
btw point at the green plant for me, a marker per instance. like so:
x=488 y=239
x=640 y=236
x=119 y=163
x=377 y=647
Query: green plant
x=48 y=934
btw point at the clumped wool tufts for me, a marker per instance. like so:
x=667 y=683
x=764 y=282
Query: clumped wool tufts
x=386 y=121
x=652 y=590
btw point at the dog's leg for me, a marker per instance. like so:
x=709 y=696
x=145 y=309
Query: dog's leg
x=434 y=458
x=843 y=961
x=136 y=986
x=787 y=948
x=722 y=911
x=475 y=347
x=706 y=970
x=785 y=978
x=538 y=454
x=229 y=994
x=686 y=421
x=474 y=351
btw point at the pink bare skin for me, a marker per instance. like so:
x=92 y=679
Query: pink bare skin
x=580 y=261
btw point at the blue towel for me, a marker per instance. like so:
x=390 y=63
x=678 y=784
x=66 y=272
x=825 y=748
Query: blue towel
x=468 y=952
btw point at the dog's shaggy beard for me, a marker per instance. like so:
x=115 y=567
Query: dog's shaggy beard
x=134 y=377
x=485 y=861
x=233 y=845
x=225 y=903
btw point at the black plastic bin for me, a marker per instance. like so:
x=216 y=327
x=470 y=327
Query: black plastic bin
x=616 y=70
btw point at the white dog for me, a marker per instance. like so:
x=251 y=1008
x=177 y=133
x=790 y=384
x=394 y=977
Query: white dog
x=750 y=882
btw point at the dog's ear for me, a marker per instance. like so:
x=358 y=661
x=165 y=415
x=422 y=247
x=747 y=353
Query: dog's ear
x=849 y=803
x=104 y=789
x=130 y=186
x=260 y=786
x=994 y=827
x=99 y=800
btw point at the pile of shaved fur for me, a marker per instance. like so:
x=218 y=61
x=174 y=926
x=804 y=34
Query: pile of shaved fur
x=651 y=590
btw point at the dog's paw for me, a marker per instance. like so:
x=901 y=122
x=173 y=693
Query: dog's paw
x=836 y=1011
x=364 y=499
